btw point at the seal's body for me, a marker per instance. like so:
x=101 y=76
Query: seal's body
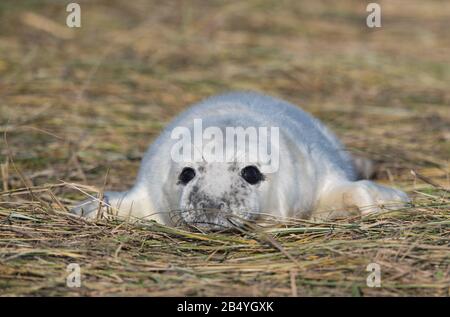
x=314 y=176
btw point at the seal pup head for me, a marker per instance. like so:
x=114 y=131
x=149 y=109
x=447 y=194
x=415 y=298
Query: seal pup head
x=216 y=196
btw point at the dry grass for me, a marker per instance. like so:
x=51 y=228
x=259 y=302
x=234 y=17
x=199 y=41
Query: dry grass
x=76 y=104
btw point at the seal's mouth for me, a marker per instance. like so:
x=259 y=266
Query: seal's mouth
x=208 y=219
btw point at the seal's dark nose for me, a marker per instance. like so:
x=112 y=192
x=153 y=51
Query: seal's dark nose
x=211 y=205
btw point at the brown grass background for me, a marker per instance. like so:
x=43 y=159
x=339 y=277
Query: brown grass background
x=76 y=103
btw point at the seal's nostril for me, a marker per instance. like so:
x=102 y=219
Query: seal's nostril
x=201 y=205
x=222 y=206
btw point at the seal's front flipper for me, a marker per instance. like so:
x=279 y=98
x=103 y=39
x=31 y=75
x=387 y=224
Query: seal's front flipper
x=98 y=207
x=363 y=196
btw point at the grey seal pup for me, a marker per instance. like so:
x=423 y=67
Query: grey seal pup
x=307 y=174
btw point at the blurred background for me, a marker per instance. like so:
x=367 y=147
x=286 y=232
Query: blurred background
x=75 y=102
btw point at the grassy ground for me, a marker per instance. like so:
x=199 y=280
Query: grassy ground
x=77 y=103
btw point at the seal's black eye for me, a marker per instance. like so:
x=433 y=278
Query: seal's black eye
x=252 y=174
x=186 y=175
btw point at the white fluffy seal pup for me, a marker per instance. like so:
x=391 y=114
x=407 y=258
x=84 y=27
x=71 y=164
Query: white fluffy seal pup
x=187 y=175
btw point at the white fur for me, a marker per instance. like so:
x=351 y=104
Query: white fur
x=316 y=173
